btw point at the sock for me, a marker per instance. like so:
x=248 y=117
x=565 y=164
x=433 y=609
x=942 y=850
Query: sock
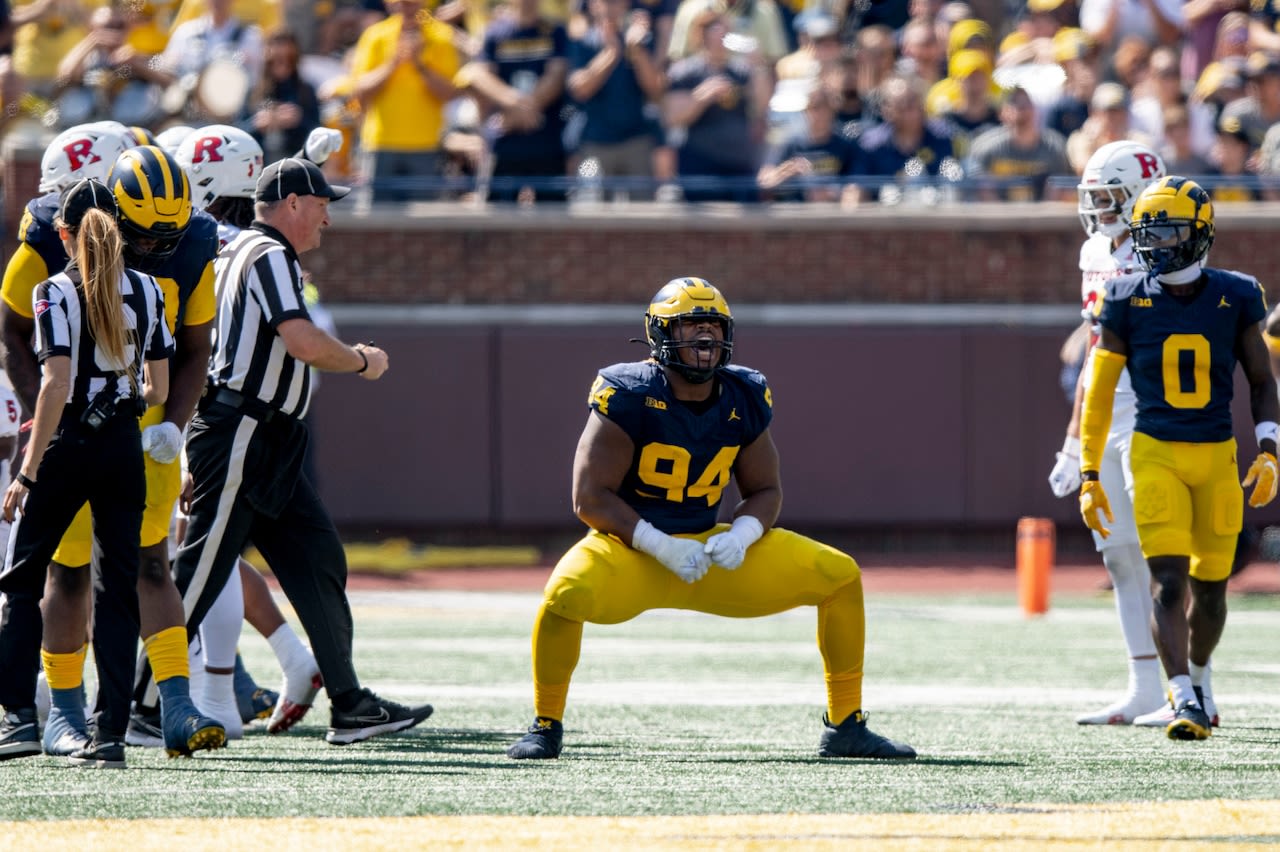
x=557 y=644
x=167 y=651
x=297 y=663
x=289 y=650
x=195 y=665
x=1132 y=583
x=1182 y=691
x=1145 y=680
x=217 y=699
x=65 y=673
x=1199 y=675
x=243 y=681
x=842 y=630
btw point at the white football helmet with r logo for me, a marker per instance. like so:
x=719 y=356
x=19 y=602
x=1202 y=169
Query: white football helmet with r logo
x=1112 y=180
x=221 y=161
x=83 y=151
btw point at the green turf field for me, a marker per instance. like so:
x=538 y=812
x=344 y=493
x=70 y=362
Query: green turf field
x=683 y=714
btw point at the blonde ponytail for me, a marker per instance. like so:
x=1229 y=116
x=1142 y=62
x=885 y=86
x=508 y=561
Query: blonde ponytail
x=100 y=256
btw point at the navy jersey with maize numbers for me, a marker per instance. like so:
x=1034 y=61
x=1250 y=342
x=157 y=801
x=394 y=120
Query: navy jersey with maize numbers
x=683 y=459
x=1182 y=354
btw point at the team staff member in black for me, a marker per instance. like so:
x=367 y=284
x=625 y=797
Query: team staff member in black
x=96 y=324
x=246 y=444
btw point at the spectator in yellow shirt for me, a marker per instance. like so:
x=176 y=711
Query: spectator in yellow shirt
x=403 y=69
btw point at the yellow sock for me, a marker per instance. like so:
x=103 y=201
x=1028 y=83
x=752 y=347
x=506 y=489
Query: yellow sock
x=64 y=671
x=844 y=696
x=167 y=651
x=842 y=630
x=556 y=644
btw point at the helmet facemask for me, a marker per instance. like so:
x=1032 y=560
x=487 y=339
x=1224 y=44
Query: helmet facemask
x=1098 y=201
x=1168 y=245
x=670 y=337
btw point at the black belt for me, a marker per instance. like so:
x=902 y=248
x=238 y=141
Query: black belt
x=255 y=408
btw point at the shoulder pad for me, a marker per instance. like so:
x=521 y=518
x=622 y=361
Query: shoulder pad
x=632 y=376
x=1123 y=286
x=202 y=232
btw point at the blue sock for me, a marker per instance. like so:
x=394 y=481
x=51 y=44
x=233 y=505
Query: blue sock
x=66 y=716
x=244 y=683
x=175 y=693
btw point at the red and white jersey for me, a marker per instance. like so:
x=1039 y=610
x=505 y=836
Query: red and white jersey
x=10 y=413
x=1099 y=263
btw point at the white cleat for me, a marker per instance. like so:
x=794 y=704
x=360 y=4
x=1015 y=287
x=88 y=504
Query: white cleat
x=296 y=698
x=1126 y=712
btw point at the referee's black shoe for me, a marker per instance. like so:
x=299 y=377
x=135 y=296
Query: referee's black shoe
x=19 y=733
x=370 y=717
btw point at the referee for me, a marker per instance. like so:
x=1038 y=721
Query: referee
x=246 y=444
x=96 y=324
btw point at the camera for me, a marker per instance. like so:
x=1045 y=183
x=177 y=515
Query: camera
x=100 y=410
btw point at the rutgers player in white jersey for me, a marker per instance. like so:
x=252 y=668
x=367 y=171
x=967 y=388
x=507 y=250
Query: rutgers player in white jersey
x=1112 y=180
x=222 y=165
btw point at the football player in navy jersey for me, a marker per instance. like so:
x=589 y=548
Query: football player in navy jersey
x=165 y=239
x=663 y=438
x=1180 y=327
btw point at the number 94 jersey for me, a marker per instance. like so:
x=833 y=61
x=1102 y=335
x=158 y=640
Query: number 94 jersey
x=684 y=455
x=1182 y=353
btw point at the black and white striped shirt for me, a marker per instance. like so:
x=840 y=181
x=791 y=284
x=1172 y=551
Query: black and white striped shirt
x=62 y=328
x=259 y=285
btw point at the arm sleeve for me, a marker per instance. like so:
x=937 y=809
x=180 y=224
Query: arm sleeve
x=1095 y=419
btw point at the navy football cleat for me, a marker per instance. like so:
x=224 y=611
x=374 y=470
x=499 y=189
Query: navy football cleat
x=543 y=742
x=852 y=738
x=1190 y=722
x=192 y=731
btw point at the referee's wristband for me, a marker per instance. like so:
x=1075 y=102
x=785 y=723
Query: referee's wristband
x=25 y=481
x=364 y=358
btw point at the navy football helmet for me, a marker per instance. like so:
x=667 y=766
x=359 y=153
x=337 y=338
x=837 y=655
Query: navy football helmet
x=1172 y=224
x=154 y=197
x=683 y=299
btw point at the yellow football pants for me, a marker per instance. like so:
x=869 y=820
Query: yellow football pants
x=603 y=581
x=1187 y=501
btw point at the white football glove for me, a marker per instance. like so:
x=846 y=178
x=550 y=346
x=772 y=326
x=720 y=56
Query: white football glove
x=322 y=142
x=1065 y=477
x=729 y=548
x=162 y=442
x=683 y=557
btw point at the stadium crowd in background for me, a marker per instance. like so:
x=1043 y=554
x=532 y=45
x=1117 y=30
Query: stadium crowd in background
x=512 y=98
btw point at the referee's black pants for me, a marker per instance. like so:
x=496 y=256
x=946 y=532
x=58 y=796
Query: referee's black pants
x=104 y=468
x=249 y=487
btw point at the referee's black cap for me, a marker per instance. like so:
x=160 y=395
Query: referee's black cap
x=83 y=196
x=295 y=176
